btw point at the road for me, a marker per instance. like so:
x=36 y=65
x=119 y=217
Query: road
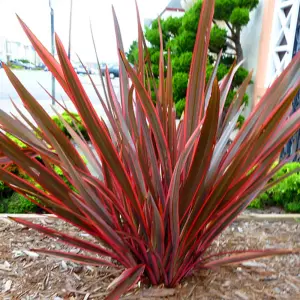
x=32 y=79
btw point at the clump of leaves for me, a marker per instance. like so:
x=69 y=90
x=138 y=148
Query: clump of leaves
x=154 y=194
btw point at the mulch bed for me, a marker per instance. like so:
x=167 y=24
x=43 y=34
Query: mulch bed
x=26 y=275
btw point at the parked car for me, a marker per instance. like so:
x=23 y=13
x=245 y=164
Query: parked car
x=29 y=66
x=41 y=66
x=93 y=71
x=17 y=63
x=113 y=70
x=81 y=70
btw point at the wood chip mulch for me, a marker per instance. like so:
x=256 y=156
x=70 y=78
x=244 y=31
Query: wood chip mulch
x=29 y=276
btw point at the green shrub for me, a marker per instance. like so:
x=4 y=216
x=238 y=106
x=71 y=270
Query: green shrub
x=293 y=207
x=230 y=97
x=2 y=207
x=218 y=38
x=285 y=194
x=172 y=25
x=180 y=81
x=241 y=121
x=5 y=191
x=221 y=72
x=18 y=204
x=155 y=56
x=176 y=64
x=240 y=75
x=60 y=173
x=257 y=204
x=70 y=121
x=16 y=67
x=240 y=17
x=180 y=105
x=184 y=42
x=12 y=202
x=182 y=63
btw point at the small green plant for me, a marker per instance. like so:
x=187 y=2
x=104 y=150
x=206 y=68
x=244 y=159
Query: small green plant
x=180 y=106
x=241 y=121
x=16 y=67
x=256 y=204
x=285 y=194
x=293 y=207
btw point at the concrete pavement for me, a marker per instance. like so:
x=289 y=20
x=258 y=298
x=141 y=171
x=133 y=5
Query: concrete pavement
x=31 y=80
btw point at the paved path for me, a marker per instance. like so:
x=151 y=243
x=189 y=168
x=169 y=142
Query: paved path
x=31 y=80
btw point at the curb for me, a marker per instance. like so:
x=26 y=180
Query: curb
x=245 y=217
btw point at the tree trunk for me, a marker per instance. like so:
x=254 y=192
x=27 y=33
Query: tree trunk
x=239 y=52
x=238 y=46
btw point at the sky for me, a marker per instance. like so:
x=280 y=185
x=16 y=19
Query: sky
x=36 y=14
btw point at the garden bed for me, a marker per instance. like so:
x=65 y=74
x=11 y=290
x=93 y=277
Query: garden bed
x=26 y=275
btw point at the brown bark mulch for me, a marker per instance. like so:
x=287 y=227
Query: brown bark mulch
x=26 y=275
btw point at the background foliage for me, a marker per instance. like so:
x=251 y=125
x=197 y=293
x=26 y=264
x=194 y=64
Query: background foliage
x=179 y=35
x=12 y=202
x=285 y=194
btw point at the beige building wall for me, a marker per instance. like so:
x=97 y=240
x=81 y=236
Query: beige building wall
x=263 y=50
x=250 y=39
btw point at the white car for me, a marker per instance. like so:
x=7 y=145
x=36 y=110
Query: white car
x=81 y=70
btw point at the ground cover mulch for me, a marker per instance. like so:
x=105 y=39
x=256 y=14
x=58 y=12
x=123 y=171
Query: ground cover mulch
x=27 y=275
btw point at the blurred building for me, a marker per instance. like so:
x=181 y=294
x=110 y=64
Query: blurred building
x=2 y=49
x=14 y=50
x=173 y=9
x=279 y=41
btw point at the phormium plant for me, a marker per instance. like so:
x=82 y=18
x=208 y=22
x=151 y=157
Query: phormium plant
x=154 y=195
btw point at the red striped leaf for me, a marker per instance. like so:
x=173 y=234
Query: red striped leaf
x=125 y=281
